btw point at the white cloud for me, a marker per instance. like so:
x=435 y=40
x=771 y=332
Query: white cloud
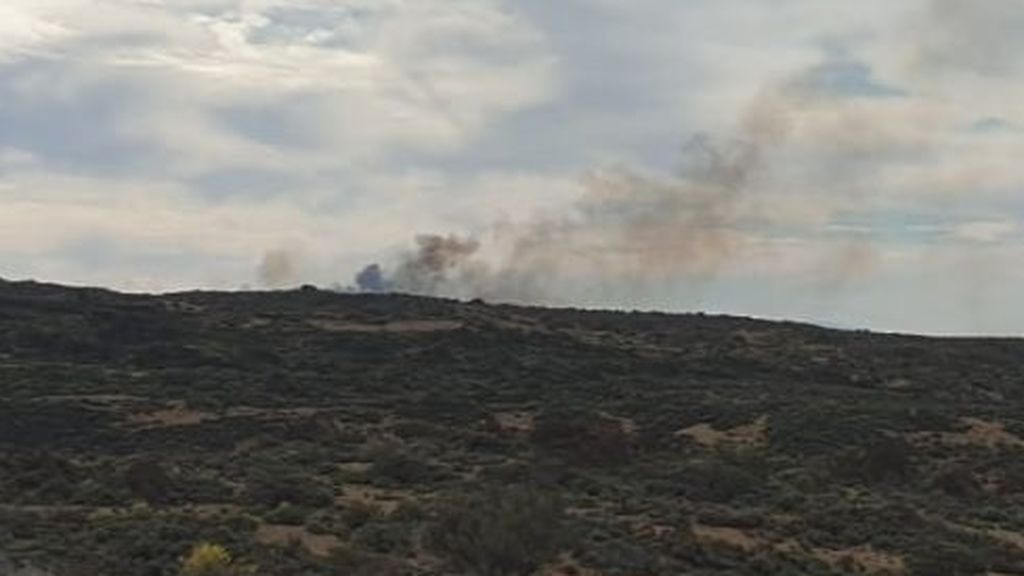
x=26 y=27
x=364 y=76
x=987 y=231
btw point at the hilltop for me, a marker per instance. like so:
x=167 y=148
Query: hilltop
x=310 y=432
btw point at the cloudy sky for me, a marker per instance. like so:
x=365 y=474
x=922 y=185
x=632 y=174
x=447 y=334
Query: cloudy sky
x=854 y=163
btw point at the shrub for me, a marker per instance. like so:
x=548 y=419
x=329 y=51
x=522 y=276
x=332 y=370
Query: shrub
x=207 y=560
x=884 y=459
x=384 y=537
x=393 y=466
x=945 y=559
x=356 y=514
x=583 y=438
x=956 y=481
x=352 y=562
x=715 y=481
x=147 y=480
x=500 y=533
x=272 y=486
x=288 y=514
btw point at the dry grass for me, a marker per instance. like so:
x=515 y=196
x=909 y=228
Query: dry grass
x=1008 y=537
x=279 y=535
x=754 y=435
x=978 y=433
x=626 y=425
x=387 y=501
x=514 y=422
x=866 y=559
x=732 y=537
x=566 y=565
x=177 y=413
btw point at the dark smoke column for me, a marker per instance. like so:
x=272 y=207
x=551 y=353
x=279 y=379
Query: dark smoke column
x=371 y=279
x=428 y=270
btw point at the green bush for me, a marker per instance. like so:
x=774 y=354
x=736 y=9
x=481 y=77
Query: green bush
x=287 y=513
x=384 y=537
x=272 y=486
x=581 y=437
x=393 y=466
x=945 y=560
x=500 y=533
x=352 y=562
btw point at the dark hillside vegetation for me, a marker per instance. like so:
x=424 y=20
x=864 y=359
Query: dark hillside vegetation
x=309 y=432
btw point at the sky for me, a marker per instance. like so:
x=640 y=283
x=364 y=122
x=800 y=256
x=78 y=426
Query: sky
x=857 y=164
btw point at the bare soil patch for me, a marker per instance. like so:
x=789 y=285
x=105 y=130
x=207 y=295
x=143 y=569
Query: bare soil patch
x=866 y=559
x=732 y=537
x=384 y=499
x=752 y=435
x=978 y=432
x=514 y=422
x=279 y=535
x=177 y=413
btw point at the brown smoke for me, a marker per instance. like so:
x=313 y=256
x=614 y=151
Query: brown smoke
x=436 y=262
x=277 y=269
x=635 y=230
x=627 y=225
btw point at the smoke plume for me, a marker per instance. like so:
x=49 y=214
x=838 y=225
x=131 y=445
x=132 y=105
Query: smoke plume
x=277 y=269
x=626 y=224
x=371 y=279
x=802 y=157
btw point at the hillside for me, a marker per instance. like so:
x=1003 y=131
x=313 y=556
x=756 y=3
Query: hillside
x=310 y=432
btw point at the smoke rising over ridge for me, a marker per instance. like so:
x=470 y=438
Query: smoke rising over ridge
x=842 y=160
x=277 y=269
x=635 y=229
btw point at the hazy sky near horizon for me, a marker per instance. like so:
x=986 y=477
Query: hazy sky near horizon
x=168 y=144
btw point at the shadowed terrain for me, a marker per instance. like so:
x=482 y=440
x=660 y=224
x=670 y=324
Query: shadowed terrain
x=310 y=432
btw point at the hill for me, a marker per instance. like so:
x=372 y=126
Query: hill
x=310 y=432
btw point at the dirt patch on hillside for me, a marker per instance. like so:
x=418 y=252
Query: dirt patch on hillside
x=978 y=432
x=566 y=565
x=401 y=326
x=866 y=560
x=754 y=435
x=279 y=535
x=514 y=422
x=1008 y=537
x=355 y=467
x=990 y=433
x=732 y=537
x=175 y=414
x=387 y=501
x=626 y=425
x=273 y=413
x=93 y=398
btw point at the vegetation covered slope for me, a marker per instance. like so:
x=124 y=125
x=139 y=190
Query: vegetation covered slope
x=308 y=432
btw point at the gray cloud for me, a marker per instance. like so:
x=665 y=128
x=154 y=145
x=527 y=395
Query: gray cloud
x=986 y=38
x=53 y=111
